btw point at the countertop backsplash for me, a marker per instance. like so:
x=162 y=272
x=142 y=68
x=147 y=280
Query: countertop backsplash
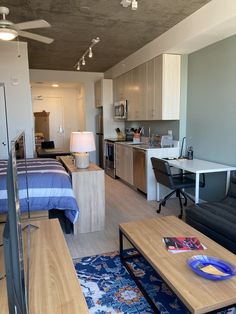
x=157 y=127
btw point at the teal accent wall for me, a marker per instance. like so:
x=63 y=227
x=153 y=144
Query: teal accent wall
x=211 y=109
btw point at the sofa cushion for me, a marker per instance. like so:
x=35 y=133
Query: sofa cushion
x=217 y=216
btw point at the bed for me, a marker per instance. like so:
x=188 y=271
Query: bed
x=49 y=187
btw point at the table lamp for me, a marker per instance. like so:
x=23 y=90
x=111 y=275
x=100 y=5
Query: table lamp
x=81 y=143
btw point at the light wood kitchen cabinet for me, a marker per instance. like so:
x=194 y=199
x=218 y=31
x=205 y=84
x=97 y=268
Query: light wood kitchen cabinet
x=119 y=88
x=152 y=89
x=124 y=162
x=138 y=99
x=103 y=92
x=163 y=86
x=167 y=87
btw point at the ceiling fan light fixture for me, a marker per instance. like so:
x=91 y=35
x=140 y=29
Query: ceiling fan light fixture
x=7 y=34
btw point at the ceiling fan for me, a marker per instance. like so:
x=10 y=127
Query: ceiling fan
x=9 y=30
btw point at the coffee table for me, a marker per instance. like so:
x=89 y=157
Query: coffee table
x=198 y=294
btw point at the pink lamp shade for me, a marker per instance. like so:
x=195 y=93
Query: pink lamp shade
x=81 y=142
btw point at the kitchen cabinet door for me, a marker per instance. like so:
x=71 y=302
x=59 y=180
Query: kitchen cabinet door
x=103 y=92
x=124 y=162
x=171 y=86
x=137 y=110
x=166 y=88
x=119 y=161
x=118 y=88
x=98 y=93
x=152 y=111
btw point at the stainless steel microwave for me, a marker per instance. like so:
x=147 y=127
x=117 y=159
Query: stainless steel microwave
x=120 y=110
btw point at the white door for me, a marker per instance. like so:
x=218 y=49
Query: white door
x=3 y=126
x=56 y=123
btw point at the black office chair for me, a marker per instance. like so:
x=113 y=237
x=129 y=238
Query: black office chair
x=176 y=182
x=47 y=144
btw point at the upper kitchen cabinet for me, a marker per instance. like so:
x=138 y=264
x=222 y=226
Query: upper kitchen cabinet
x=138 y=93
x=119 y=88
x=163 y=85
x=152 y=89
x=103 y=92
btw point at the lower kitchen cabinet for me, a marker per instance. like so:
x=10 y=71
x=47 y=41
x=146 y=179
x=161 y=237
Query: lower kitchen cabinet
x=124 y=162
x=133 y=165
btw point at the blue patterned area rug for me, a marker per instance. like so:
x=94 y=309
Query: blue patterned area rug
x=108 y=287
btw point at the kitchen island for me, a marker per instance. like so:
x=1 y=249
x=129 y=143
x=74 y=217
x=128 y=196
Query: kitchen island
x=145 y=179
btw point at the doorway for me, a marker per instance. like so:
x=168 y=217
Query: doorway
x=53 y=106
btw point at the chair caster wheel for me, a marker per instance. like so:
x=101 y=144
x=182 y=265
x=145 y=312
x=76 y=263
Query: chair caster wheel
x=180 y=216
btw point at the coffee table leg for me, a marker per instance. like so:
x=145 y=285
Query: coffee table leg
x=123 y=261
x=121 y=245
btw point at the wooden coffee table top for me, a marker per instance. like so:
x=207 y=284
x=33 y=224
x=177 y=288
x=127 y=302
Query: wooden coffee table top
x=198 y=294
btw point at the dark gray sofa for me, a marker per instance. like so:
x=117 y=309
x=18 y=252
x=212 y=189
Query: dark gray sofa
x=217 y=220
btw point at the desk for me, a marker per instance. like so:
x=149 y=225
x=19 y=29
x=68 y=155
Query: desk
x=51 y=152
x=199 y=166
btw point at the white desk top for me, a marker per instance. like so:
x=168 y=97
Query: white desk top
x=199 y=166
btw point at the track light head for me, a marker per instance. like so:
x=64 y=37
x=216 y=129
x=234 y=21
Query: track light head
x=83 y=61
x=125 y=3
x=78 y=67
x=90 y=54
x=134 y=5
x=95 y=40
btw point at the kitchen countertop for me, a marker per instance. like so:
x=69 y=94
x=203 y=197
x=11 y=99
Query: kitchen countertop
x=146 y=146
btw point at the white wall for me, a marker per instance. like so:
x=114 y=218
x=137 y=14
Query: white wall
x=72 y=104
x=14 y=73
x=86 y=79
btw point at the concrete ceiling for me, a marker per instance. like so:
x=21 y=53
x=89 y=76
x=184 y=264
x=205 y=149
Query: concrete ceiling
x=76 y=22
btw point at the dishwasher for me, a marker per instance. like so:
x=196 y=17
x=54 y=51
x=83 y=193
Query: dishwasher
x=139 y=169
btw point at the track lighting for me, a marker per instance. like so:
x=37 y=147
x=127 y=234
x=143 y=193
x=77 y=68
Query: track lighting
x=88 y=52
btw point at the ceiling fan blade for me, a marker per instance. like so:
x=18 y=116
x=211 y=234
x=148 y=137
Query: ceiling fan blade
x=43 y=39
x=33 y=24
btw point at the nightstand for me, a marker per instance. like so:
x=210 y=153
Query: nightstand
x=89 y=189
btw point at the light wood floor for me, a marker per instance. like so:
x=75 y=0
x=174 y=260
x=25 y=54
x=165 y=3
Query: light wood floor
x=123 y=204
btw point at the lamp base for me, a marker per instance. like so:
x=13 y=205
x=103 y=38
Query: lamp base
x=82 y=160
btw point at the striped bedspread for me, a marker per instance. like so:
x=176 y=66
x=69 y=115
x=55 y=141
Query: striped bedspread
x=49 y=187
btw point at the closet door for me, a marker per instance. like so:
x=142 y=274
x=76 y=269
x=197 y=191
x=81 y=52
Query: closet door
x=3 y=126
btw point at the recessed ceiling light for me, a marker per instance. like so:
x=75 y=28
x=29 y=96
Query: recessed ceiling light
x=55 y=85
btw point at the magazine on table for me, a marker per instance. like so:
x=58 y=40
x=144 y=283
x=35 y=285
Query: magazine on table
x=183 y=244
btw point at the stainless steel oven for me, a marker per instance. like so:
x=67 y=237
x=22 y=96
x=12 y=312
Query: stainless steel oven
x=109 y=158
